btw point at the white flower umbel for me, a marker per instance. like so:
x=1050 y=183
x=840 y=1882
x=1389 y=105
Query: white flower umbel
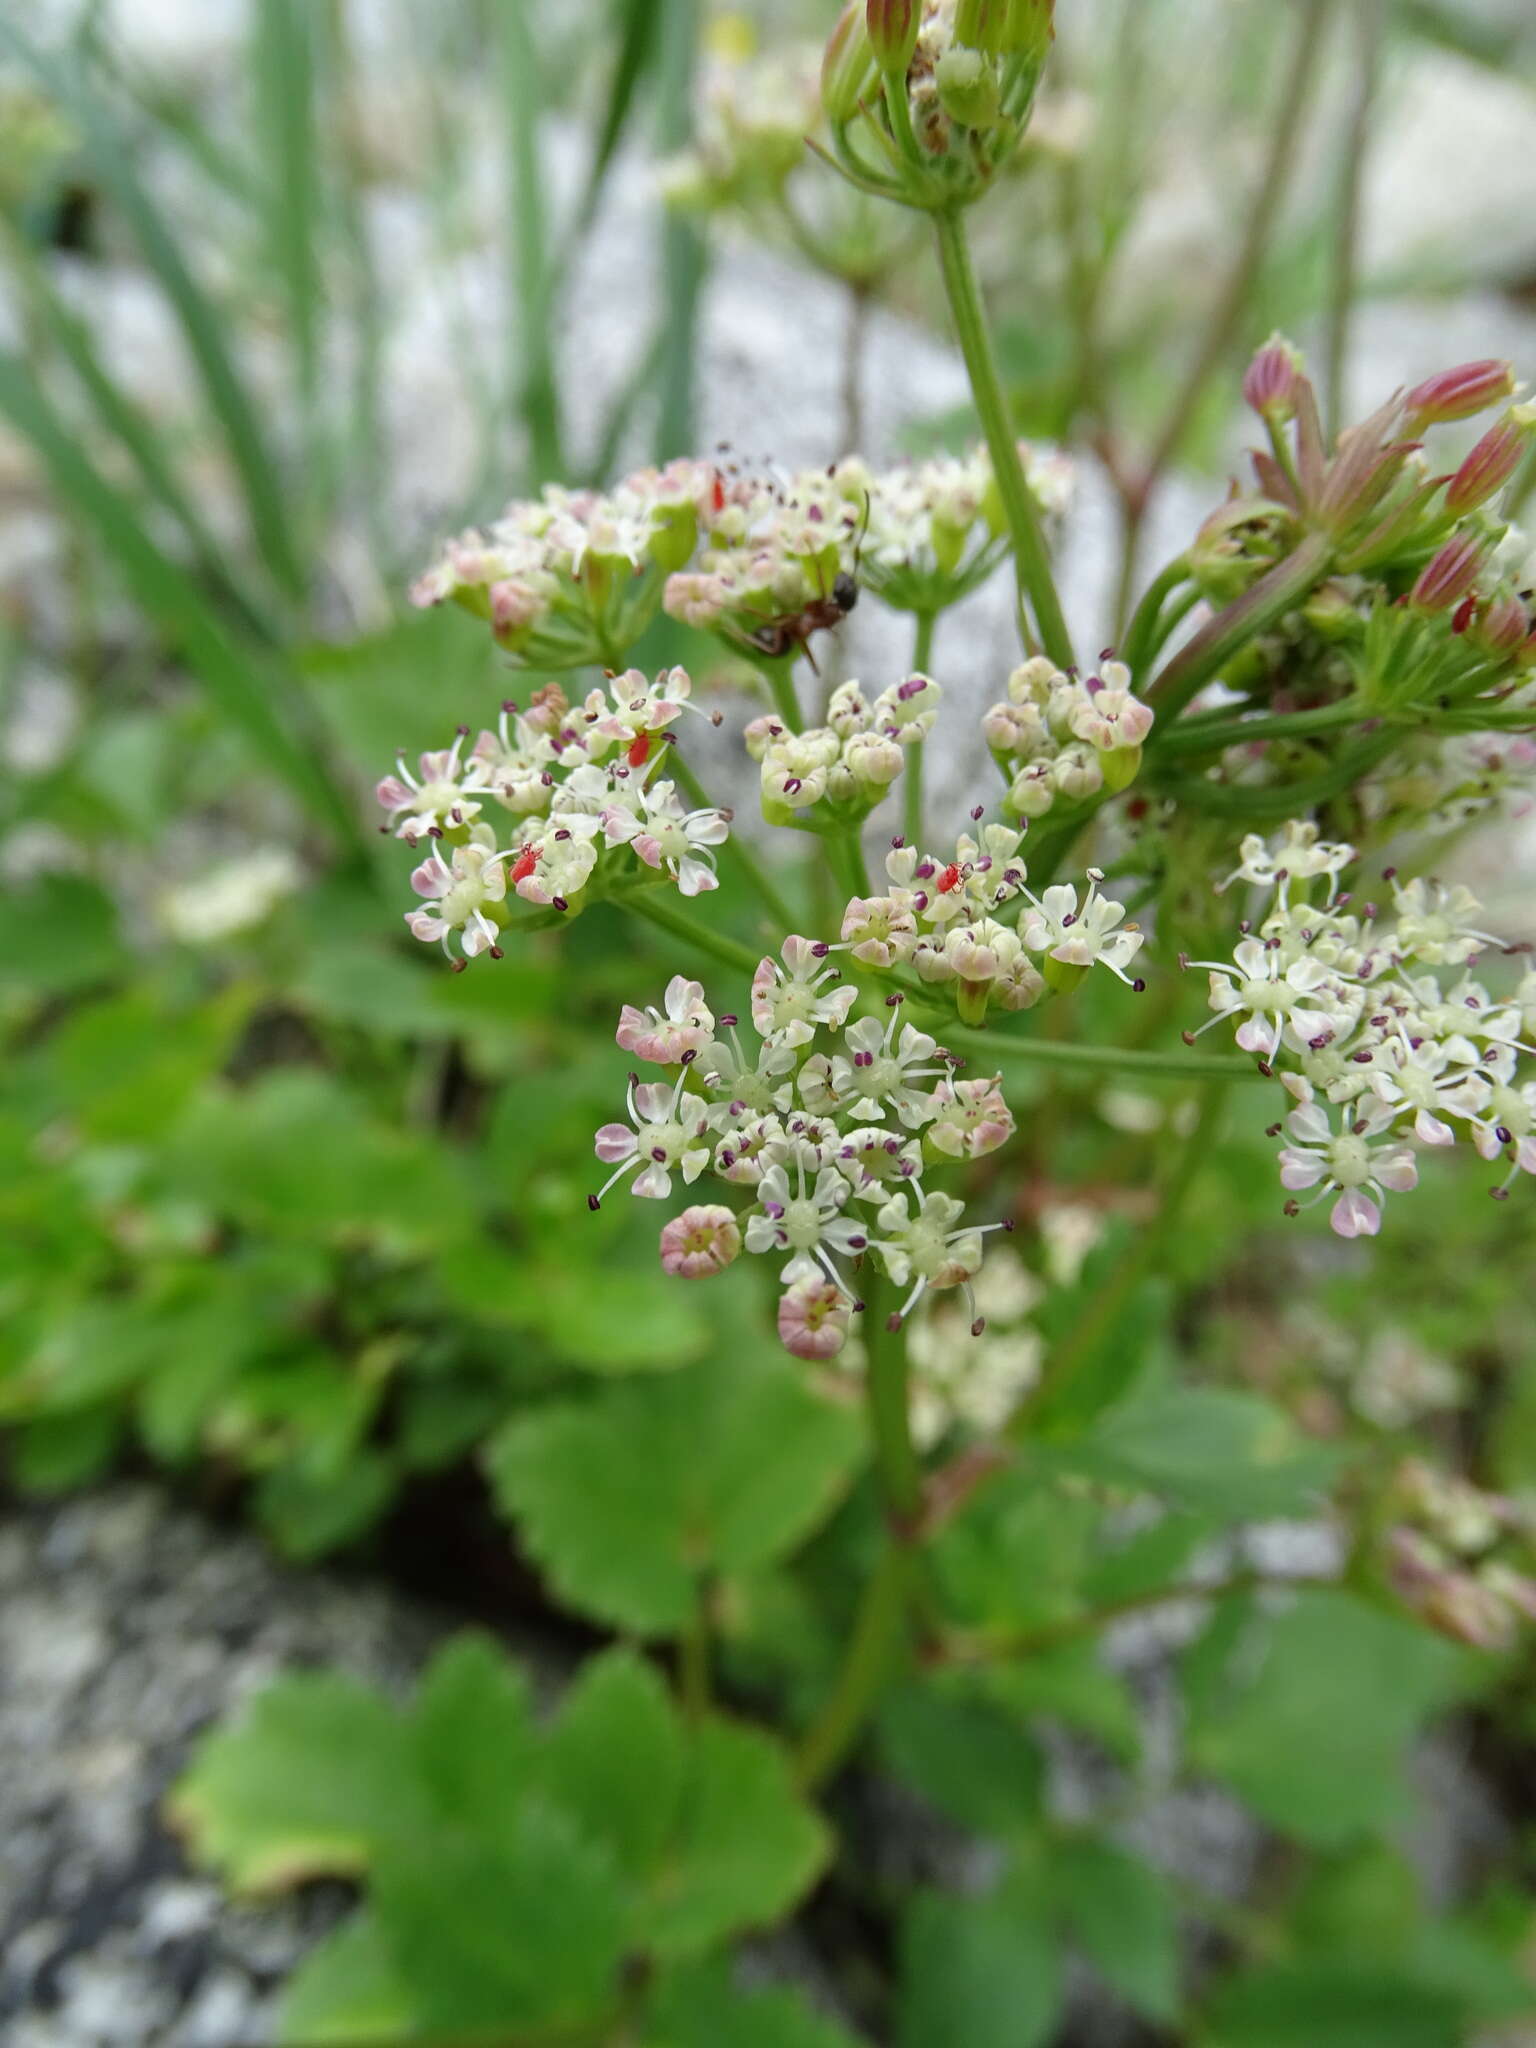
x=1271 y=997
x=1076 y=935
x=468 y=894
x=446 y=794
x=1358 y=1164
x=668 y=1132
x=667 y=836
x=927 y=1245
x=1296 y=854
x=678 y=1031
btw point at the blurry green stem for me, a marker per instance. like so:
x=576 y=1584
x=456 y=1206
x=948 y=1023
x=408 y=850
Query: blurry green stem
x=1032 y=561
x=681 y=926
x=880 y=1624
x=1344 y=276
x=778 y=672
x=1278 y=591
x=912 y=773
x=693 y=1656
x=532 y=386
x=735 y=849
x=992 y=1049
x=682 y=246
x=1144 y=635
x=1226 y=318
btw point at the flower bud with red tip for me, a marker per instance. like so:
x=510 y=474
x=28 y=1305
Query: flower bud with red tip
x=1272 y=381
x=1448 y=576
x=1490 y=465
x=1459 y=394
x=1504 y=626
x=893 y=27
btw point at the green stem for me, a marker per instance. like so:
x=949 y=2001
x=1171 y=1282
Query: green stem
x=681 y=926
x=778 y=674
x=1031 y=559
x=912 y=772
x=1201 y=736
x=1142 y=639
x=999 y=1047
x=1344 y=278
x=880 y=1625
x=1278 y=591
x=737 y=851
x=885 y=1381
x=873 y=1648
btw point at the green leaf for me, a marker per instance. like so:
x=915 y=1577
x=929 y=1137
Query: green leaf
x=984 y=1972
x=312 y=1505
x=56 y=936
x=57 y=1452
x=299 y=1786
x=615 y=1759
x=1070 y=1683
x=627 y=1499
x=520 y=1932
x=616 y=1321
x=745 y=1848
x=698 y=2007
x=1327 y=1662
x=346 y=1991
x=1334 y=2004
x=1120 y=1912
x=472 y=1735
x=1206 y=1449
x=969 y=1757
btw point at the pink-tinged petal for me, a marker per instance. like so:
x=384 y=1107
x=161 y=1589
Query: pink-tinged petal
x=648 y=846
x=476 y=941
x=1260 y=1035
x=1355 y=1215
x=1525 y=1154
x=653 y=1183
x=1397 y=1170
x=1299 y=1169
x=392 y=793
x=425 y=926
x=432 y=878
x=615 y=1142
x=711 y=831
x=653 y=1101
x=813 y=1320
x=694 y=879
x=1485 y=1138
x=1308 y=1124
x=1430 y=1130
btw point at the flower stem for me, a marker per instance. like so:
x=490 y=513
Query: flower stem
x=736 y=850
x=999 y=1047
x=681 y=926
x=1344 y=277
x=912 y=773
x=1031 y=559
x=776 y=671
x=1278 y=591
x=880 y=1625
x=1142 y=635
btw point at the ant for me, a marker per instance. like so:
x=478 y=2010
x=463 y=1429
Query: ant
x=791 y=632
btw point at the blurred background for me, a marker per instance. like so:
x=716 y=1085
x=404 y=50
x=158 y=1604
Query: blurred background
x=291 y=1219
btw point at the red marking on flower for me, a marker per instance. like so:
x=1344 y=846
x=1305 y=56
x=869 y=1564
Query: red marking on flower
x=639 y=750
x=1464 y=614
x=527 y=861
x=950 y=879
x=717 y=493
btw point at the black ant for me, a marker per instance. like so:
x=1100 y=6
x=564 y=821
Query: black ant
x=791 y=632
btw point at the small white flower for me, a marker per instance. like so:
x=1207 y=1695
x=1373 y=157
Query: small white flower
x=927 y=1245
x=667 y=1132
x=805 y=1220
x=1274 y=997
x=1081 y=935
x=666 y=836
x=1296 y=854
x=680 y=1029
x=445 y=796
x=1433 y=924
x=879 y=1070
x=1350 y=1164
x=789 y=1001
x=468 y=892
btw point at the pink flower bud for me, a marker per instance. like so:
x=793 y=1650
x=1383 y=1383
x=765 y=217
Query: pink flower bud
x=703 y=1240
x=1488 y=468
x=813 y=1319
x=1272 y=380
x=893 y=27
x=848 y=69
x=1459 y=394
x=1503 y=627
x=1448 y=576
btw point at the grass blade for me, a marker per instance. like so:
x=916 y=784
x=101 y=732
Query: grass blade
x=200 y=323
x=245 y=690
x=532 y=389
x=682 y=248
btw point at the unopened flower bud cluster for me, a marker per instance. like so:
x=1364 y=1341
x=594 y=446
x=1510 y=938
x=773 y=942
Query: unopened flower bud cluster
x=557 y=801
x=1373 y=1017
x=822 y=1131
x=752 y=118
x=1065 y=737
x=970 y=924
x=841 y=769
